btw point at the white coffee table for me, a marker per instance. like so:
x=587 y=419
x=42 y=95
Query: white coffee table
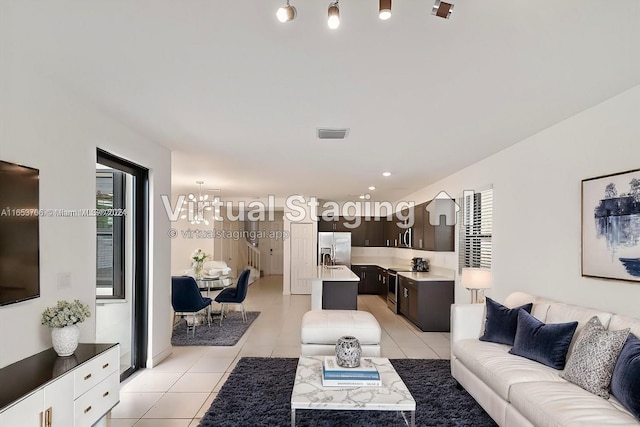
x=308 y=392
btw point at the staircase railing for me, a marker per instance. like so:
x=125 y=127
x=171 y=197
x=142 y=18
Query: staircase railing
x=253 y=257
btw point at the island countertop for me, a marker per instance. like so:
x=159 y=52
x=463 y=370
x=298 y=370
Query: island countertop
x=333 y=273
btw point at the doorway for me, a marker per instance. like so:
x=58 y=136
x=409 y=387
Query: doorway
x=122 y=258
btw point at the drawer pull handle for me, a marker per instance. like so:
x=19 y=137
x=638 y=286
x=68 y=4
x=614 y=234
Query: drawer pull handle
x=86 y=377
x=105 y=394
x=105 y=366
x=87 y=409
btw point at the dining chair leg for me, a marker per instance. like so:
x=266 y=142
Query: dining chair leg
x=194 y=324
x=209 y=315
x=222 y=312
x=244 y=313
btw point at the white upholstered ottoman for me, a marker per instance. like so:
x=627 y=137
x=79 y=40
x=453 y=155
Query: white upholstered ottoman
x=322 y=328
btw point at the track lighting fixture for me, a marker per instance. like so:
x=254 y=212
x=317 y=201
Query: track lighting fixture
x=385 y=9
x=286 y=13
x=442 y=9
x=334 y=15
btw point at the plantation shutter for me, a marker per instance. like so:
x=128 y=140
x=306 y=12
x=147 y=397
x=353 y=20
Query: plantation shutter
x=476 y=227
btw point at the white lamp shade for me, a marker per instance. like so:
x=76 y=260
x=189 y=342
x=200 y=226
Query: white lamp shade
x=476 y=278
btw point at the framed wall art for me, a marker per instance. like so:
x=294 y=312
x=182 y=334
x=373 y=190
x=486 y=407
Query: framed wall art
x=611 y=226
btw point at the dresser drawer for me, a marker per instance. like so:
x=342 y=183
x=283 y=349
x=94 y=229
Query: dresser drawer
x=94 y=371
x=92 y=405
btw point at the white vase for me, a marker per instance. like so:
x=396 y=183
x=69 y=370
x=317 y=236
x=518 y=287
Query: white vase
x=65 y=340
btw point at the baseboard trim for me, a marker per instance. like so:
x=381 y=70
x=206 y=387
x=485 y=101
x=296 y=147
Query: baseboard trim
x=155 y=360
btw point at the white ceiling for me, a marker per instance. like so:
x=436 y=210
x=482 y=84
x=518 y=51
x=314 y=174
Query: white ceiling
x=238 y=95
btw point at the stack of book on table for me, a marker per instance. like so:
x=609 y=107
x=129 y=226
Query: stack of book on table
x=334 y=375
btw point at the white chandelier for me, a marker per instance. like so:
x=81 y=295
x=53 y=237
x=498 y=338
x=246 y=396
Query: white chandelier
x=197 y=206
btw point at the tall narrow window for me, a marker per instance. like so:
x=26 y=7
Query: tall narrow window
x=476 y=228
x=110 y=195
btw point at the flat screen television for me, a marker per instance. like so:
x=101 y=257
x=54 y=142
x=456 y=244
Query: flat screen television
x=19 y=233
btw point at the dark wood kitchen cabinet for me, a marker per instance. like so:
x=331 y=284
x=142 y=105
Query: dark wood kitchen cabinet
x=374 y=232
x=438 y=238
x=368 y=275
x=392 y=232
x=419 y=212
x=383 y=287
x=426 y=303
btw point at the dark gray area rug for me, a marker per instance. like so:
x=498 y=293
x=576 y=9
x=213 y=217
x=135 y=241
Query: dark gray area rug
x=258 y=393
x=228 y=334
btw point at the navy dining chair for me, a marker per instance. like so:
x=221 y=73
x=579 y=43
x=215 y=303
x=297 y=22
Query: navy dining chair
x=235 y=295
x=186 y=298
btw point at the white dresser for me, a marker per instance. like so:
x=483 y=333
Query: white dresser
x=45 y=390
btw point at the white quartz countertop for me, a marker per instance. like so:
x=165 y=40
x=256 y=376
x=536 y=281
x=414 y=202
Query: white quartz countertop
x=424 y=276
x=435 y=273
x=333 y=273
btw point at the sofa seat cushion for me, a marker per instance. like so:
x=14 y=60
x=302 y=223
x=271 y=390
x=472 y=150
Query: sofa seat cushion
x=564 y=404
x=326 y=326
x=493 y=364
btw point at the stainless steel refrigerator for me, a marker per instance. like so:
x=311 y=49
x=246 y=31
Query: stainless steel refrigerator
x=336 y=245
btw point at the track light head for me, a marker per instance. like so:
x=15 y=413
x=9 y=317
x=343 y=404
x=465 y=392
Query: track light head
x=442 y=9
x=286 y=13
x=334 y=15
x=385 y=10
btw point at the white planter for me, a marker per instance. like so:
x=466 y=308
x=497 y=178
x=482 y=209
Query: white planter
x=65 y=340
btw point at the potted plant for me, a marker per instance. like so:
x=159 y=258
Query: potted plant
x=63 y=318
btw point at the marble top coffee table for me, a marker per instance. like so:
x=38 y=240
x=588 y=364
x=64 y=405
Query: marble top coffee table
x=308 y=392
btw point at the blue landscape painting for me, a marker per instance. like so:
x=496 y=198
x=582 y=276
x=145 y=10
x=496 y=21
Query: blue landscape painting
x=617 y=219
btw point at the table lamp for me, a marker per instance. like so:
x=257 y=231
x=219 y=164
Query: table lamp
x=476 y=280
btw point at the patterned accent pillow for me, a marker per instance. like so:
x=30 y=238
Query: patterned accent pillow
x=594 y=356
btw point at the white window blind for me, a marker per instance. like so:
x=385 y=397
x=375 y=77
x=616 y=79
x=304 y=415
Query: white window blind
x=476 y=227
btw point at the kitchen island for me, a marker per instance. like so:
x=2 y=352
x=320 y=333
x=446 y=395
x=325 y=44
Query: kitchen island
x=333 y=287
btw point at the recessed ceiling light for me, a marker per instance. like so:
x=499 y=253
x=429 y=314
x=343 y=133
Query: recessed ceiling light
x=362 y=197
x=372 y=188
x=386 y=173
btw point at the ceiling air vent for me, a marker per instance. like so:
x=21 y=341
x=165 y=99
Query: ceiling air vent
x=332 y=133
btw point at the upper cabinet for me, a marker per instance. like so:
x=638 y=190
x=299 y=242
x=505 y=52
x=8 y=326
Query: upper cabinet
x=387 y=233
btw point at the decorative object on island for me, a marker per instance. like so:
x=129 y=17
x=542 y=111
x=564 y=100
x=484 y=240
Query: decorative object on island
x=611 y=226
x=348 y=352
x=63 y=318
x=476 y=280
x=198 y=257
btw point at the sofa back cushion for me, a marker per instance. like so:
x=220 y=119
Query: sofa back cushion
x=622 y=322
x=540 y=305
x=560 y=312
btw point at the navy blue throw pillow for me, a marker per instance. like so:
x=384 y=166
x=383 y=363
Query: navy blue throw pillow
x=547 y=344
x=501 y=322
x=625 y=383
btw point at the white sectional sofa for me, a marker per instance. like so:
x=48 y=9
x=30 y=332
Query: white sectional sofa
x=516 y=391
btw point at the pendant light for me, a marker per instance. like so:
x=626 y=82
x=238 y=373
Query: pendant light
x=286 y=13
x=334 y=15
x=196 y=216
x=385 y=10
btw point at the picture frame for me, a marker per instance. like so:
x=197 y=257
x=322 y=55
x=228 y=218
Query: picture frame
x=611 y=226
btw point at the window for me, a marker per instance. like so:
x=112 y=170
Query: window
x=110 y=194
x=476 y=227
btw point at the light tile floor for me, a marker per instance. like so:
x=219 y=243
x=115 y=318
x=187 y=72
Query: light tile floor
x=179 y=391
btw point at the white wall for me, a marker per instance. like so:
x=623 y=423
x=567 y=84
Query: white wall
x=47 y=128
x=537 y=204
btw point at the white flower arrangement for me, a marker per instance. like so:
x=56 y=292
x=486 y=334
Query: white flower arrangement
x=65 y=313
x=199 y=257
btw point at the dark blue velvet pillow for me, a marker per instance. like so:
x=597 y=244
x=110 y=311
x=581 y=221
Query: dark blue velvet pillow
x=547 y=344
x=625 y=383
x=501 y=322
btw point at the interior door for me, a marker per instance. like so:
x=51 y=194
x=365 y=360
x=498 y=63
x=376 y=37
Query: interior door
x=302 y=262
